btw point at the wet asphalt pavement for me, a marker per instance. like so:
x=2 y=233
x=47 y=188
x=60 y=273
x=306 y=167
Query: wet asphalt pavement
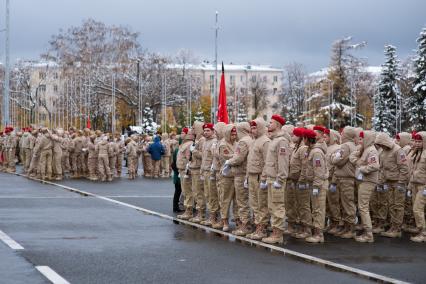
x=89 y=240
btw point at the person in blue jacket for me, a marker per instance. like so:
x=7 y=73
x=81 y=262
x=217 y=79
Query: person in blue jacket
x=156 y=150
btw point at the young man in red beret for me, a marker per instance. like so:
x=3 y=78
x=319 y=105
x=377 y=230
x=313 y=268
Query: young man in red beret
x=276 y=170
x=316 y=174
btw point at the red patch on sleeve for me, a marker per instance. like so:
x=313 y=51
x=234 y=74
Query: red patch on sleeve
x=237 y=150
x=372 y=159
x=226 y=152
x=317 y=163
x=403 y=157
x=282 y=151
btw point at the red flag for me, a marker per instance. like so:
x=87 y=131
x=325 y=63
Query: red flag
x=88 y=123
x=222 y=112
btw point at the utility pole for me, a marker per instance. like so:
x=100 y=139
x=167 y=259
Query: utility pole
x=6 y=116
x=113 y=105
x=215 y=72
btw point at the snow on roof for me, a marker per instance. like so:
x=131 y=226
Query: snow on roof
x=322 y=73
x=38 y=64
x=228 y=67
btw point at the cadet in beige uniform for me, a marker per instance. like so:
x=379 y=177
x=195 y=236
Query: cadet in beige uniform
x=238 y=164
x=366 y=161
x=395 y=176
x=194 y=166
x=206 y=165
x=316 y=174
x=276 y=170
x=182 y=163
x=418 y=185
x=226 y=150
x=344 y=171
x=258 y=198
x=333 y=193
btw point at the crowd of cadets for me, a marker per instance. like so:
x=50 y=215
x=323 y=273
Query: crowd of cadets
x=53 y=155
x=303 y=181
x=278 y=179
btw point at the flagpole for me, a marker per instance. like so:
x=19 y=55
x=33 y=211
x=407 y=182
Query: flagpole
x=215 y=72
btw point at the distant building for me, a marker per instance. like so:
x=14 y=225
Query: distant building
x=240 y=81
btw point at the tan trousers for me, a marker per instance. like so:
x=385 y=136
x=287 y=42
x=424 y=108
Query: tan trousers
x=276 y=205
x=165 y=165
x=365 y=191
x=242 y=197
x=11 y=159
x=198 y=191
x=103 y=166
x=227 y=195
x=213 y=193
x=347 y=199
x=156 y=168
x=382 y=205
x=419 y=208
x=186 y=185
x=258 y=200
x=46 y=164
x=303 y=197
x=333 y=204
x=112 y=163
x=318 y=203
x=92 y=164
x=57 y=164
x=396 y=205
x=291 y=202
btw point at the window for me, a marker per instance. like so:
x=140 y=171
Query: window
x=41 y=75
x=55 y=75
x=265 y=79
x=275 y=91
x=211 y=84
x=275 y=79
x=253 y=78
x=42 y=88
x=241 y=78
x=55 y=88
x=232 y=80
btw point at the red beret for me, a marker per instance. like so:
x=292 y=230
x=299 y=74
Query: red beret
x=234 y=130
x=185 y=130
x=327 y=131
x=413 y=135
x=298 y=131
x=418 y=137
x=253 y=123
x=208 y=125
x=397 y=137
x=278 y=118
x=361 y=134
x=308 y=133
x=320 y=128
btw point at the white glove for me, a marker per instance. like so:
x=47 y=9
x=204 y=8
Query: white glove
x=84 y=149
x=226 y=163
x=424 y=192
x=277 y=185
x=187 y=167
x=226 y=169
x=178 y=175
x=186 y=176
x=201 y=177
x=409 y=193
x=192 y=148
x=212 y=168
x=338 y=154
x=385 y=187
x=212 y=177
x=246 y=184
x=315 y=191
x=263 y=185
x=358 y=175
x=333 y=187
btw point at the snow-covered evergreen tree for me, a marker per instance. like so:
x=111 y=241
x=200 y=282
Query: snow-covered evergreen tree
x=148 y=124
x=242 y=113
x=417 y=101
x=386 y=106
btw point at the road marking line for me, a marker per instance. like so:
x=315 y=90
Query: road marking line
x=51 y=275
x=302 y=256
x=10 y=242
x=139 y=196
x=39 y=197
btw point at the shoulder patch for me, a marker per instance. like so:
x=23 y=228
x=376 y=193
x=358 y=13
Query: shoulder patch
x=402 y=156
x=282 y=151
x=372 y=160
x=226 y=152
x=317 y=162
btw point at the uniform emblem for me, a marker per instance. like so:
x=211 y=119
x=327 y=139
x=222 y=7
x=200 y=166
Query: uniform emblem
x=403 y=157
x=306 y=154
x=317 y=162
x=372 y=159
x=237 y=150
x=282 y=150
x=226 y=152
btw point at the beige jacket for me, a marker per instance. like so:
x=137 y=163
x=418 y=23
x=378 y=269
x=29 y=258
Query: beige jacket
x=332 y=148
x=393 y=161
x=238 y=162
x=220 y=131
x=226 y=147
x=343 y=168
x=207 y=154
x=316 y=171
x=366 y=160
x=278 y=157
x=259 y=149
x=418 y=175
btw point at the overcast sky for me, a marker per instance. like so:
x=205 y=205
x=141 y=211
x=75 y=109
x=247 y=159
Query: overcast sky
x=273 y=32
